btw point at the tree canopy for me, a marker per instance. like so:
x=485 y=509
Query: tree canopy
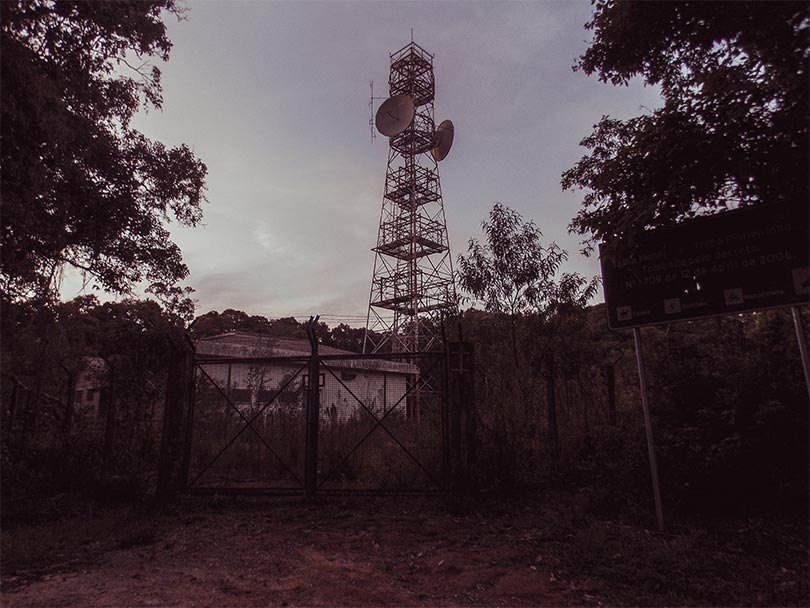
x=512 y=271
x=213 y=323
x=733 y=128
x=81 y=187
x=514 y=274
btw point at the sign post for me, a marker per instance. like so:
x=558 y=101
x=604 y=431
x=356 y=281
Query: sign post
x=802 y=338
x=645 y=405
x=733 y=262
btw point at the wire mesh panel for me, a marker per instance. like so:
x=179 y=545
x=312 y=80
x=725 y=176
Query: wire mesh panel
x=248 y=427
x=382 y=423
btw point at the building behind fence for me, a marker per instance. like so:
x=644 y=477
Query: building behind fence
x=379 y=421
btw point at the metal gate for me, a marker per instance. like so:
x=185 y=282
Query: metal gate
x=323 y=423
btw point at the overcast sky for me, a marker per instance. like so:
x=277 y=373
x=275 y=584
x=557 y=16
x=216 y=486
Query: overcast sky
x=273 y=97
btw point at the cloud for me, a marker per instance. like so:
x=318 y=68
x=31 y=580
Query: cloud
x=264 y=238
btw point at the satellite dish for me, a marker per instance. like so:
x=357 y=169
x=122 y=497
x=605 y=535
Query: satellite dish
x=442 y=140
x=395 y=115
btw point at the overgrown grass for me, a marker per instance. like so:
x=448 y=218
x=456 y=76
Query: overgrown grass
x=739 y=563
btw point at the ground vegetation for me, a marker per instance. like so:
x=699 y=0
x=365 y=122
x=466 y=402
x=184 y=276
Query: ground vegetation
x=83 y=388
x=521 y=285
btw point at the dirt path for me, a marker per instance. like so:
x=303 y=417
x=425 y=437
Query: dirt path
x=529 y=550
x=284 y=552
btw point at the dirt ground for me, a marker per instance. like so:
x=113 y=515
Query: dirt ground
x=393 y=551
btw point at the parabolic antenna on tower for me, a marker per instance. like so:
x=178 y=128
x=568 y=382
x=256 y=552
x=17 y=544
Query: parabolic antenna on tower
x=395 y=115
x=442 y=140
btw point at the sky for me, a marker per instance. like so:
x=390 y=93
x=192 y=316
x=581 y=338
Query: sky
x=274 y=98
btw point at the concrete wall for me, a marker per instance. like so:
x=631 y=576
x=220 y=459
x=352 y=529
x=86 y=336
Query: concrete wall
x=342 y=389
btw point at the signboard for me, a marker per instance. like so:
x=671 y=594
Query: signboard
x=737 y=261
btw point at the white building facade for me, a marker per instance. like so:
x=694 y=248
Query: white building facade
x=268 y=373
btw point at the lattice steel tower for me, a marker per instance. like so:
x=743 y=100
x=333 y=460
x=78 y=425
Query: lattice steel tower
x=412 y=285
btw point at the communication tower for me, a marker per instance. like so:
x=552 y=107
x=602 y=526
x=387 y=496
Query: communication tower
x=412 y=285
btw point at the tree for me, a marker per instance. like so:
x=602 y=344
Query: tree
x=212 y=323
x=82 y=188
x=347 y=337
x=733 y=129
x=515 y=275
x=512 y=273
x=288 y=327
x=46 y=349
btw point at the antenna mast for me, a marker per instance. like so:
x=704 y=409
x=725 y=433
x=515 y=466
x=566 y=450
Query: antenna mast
x=371 y=112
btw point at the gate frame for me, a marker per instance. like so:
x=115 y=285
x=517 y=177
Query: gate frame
x=457 y=421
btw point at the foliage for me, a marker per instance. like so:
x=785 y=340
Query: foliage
x=732 y=415
x=728 y=400
x=288 y=327
x=729 y=403
x=515 y=277
x=733 y=128
x=81 y=187
x=728 y=397
x=48 y=432
x=213 y=323
x=512 y=273
x=348 y=338
x=515 y=435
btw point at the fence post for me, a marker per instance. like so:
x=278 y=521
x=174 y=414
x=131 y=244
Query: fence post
x=70 y=402
x=461 y=404
x=12 y=408
x=191 y=378
x=551 y=399
x=312 y=412
x=610 y=372
x=179 y=383
x=107 y=404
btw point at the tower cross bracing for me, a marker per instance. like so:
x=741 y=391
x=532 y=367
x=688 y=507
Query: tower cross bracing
x=412 y=285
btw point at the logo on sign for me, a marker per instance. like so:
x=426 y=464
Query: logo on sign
x=733 y=296
x=672 y=306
